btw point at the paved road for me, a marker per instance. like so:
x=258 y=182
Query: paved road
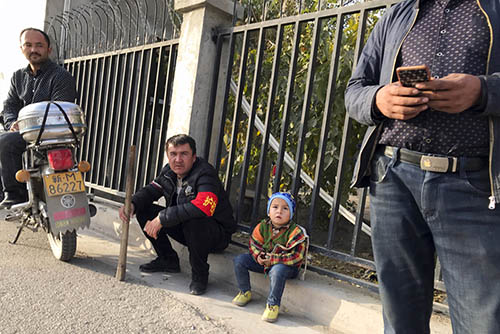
x=39 y=294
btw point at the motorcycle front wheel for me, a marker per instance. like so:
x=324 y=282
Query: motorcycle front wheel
x=63 y=245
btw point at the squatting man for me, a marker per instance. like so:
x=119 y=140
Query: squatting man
x=198 y=213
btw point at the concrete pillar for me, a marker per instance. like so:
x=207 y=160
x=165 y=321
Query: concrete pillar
x=195 y=65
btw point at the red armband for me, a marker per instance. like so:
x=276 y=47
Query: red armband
x=206 y=202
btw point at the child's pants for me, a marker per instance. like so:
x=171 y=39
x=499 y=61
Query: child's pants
x=278 y=275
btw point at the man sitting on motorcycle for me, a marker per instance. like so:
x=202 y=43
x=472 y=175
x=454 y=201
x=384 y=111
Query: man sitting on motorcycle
x=41 y=80
x=198 y=212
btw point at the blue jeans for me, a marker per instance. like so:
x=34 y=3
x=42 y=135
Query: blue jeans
x=416 y=214
x=278 y=274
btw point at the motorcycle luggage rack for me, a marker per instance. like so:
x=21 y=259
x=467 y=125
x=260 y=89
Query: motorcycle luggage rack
x=38 y=141
x=49 y=142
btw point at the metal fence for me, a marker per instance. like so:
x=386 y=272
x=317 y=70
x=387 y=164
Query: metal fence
x=126 y=97
x=284 y=126
x=122 y=54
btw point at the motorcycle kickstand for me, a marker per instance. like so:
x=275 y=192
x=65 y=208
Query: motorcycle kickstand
x=19 y=230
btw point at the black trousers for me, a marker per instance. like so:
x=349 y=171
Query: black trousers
x=201 y=236
x=12 y=146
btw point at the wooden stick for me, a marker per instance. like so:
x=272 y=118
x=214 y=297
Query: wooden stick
x=129 y=187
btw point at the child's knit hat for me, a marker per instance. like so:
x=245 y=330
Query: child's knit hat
x=287 y=197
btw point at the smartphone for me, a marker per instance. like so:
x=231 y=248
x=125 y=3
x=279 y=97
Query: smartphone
x=410 y=75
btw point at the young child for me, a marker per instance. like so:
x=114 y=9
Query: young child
x=277 y=247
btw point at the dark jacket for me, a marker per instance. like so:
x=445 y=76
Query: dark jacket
x=202 y=195
x=376 y=68
x=52 y=83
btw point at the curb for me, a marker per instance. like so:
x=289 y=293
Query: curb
x=338 y=306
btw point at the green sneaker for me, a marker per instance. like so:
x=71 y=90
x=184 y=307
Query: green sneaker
x=242 y=298
x=271 y=313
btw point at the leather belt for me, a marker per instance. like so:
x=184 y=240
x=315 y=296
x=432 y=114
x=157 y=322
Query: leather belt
x=439 y=164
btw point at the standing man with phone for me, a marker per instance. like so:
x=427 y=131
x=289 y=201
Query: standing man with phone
x=431 y=157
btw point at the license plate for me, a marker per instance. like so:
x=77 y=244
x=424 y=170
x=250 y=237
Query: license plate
x=64 y=183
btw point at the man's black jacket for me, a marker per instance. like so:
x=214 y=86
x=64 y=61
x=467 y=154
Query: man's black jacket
x=51 y=83
x=202 y=195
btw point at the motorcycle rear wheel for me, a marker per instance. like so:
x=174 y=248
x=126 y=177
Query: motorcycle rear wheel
x=63 y=246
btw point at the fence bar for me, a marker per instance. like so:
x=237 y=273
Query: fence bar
x=267 y=132
x=237 y=114
x=151 y=159
x=345 y=137
x=305 y=107
x=105 y=120
x=325 y=125
x=136 y=123
x=90 y=120
x=97 y=125
x=78 y=77
x=111 y=145
x=125 y=77
x=251 y=121
x=364 y=263
x=166 y=102
x=288 y=106
x=141 y=133
x=218 y=151
x=127 y=110
x=83 y=104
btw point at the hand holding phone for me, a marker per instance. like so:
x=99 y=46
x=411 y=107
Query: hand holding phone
x=453 y=93
x=402 y=101
x=410 y=75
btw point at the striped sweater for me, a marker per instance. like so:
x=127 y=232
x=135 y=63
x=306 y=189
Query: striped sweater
x=288 y=247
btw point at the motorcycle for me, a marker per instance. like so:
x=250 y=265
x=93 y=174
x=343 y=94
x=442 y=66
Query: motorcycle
x=57 y=200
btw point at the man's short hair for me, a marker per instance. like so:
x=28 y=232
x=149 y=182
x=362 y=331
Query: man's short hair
x=40 y=31
x=181 y=140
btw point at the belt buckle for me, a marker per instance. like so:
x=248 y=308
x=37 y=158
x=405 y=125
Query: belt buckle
x=438 y=164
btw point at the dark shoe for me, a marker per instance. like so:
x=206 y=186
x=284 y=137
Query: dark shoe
x=161 y=265
x=198 y=287
x=11 y=199
x=198 y=284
